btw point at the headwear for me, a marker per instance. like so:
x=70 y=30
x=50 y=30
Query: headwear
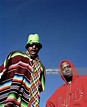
x=33 y=38
x=74 y=70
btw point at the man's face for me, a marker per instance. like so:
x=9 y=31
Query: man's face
x=66 y=69
x=33 y=50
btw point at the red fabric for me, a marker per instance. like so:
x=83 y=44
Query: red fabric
x=72 y=94
x=1 y=68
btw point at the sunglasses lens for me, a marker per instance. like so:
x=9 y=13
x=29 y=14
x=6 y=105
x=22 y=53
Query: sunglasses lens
x=30 y=45
x=34 y=44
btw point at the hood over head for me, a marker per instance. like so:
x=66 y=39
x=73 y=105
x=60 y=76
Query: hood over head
x=75 y=73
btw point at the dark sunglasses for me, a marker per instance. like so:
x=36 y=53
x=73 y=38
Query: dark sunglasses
x=32 y=44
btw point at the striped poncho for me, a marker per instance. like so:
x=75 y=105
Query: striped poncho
x=22 y=81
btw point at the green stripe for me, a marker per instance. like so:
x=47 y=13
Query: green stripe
x=15 y=54
x=24 y=104
x=2 y=105
x=43 y=82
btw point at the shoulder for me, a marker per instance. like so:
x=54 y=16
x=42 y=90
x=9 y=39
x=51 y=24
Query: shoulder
x=83 y=78
x=52 y=100
x=16 y=53
x=57 y=93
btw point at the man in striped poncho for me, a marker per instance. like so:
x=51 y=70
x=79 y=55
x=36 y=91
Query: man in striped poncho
x=23 y=76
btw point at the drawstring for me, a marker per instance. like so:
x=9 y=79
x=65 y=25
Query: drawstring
x=68 y=94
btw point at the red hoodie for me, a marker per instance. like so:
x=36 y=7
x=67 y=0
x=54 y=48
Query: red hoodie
x=72 y=94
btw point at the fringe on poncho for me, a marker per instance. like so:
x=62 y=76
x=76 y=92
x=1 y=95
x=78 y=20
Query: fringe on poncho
x=22 y=81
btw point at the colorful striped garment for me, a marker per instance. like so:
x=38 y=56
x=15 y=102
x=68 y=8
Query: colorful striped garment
x=22 y=81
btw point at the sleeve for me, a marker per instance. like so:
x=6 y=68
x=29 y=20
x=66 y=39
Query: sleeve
x=13 y=95
x=49 y=104
x=16 y=93
x=42 y=80
x=85 y=88
x=18 y=77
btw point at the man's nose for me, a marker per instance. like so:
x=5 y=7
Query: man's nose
x=66 y=68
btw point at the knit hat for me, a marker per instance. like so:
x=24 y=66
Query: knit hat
x=33 y=38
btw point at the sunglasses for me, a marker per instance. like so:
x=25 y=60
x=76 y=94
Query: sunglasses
x=32 y=44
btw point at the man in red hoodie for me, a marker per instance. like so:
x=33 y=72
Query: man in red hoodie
x=74 y=92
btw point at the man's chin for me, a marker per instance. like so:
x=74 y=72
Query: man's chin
x=33 y=56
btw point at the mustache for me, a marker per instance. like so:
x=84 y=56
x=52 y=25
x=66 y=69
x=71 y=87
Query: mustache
x=34 y=50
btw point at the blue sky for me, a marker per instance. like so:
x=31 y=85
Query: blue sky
x=62 y=26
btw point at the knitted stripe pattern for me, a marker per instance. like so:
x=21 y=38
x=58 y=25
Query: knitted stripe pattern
x=22 y=81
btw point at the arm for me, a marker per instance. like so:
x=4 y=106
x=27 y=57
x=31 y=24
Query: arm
x=17 y=95
x=49 y=104
x=14 y=93
x=17 y=78
x=42 y=80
